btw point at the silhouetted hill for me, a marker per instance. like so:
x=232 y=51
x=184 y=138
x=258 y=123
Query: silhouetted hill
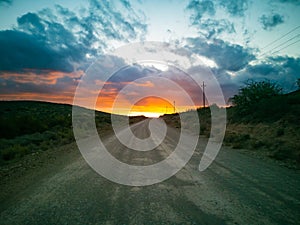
x=30 y=126
x=271 y=128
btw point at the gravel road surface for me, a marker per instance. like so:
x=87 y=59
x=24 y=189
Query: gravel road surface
x=236 y=189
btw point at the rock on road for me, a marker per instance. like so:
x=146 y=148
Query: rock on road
x=236 y=189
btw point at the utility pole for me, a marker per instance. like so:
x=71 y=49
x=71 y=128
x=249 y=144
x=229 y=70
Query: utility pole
x=174 y=107
x=203 y=92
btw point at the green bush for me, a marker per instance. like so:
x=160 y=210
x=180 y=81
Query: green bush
x=256 y=144
x=285 y=152
x=251 y=95
x=27 y=126
x=235 y=137
x=203 y=128
x=279 y=132
x=7 y=154
x=15 y=151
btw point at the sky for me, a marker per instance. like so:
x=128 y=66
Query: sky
x=47 y=47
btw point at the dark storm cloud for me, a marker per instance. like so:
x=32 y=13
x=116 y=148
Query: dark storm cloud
x=31 y=23
x=50 y=82
x=281 y=69
x=12 y=87
x=289 y=66
x=62 y=39
x=268 y=22
x=231 y=57
x=222 y=76
x=263 y=69
x=22 y=51
x=131 y=73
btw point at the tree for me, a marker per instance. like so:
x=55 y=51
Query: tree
x=252 y=93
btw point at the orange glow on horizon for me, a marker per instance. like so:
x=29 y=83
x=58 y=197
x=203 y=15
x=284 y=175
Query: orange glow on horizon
x=66 y=98
x=151 y=107
x=45 y=77
x=49 y=86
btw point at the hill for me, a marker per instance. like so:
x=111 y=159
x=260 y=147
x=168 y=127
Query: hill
x=30 y=126
x=271 y=129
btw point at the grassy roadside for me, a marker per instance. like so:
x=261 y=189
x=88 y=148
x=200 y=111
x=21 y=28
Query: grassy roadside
x=28 y=127
x=272 y=130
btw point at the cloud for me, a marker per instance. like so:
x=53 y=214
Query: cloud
x=296 y=2
x=264 y=69
x=234 y=68
x=25 y=51
x=203 y=15
x=48 y=78
x=211 y=28
x=126 y=75
x=268 y=22
x=5 y=2
x=46 y=82
x=231 y=57
x=199 y=8
x=281 y=69
x=235 y=7
x=148 y=85
x=62 y=39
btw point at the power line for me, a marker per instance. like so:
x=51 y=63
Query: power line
x=296 y=36
x=287 y=46
x=281 y=37
x=281 y=44
x=274 y=48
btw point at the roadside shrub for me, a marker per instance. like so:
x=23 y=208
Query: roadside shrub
x=15 y=151
x=279 y=132
x=255 y=144
x=7 y=154
x=282 y=153
x=237 y=145
x=237 y=140
x=235 y=137
x=203 y=128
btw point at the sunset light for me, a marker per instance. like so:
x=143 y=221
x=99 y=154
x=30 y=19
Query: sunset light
x=152 y=107
x=150 y=112
x=146 y=114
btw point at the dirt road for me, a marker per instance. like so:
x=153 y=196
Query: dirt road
x=236 y=189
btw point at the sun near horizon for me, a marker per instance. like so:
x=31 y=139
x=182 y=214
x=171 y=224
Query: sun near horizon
x=152 y=107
